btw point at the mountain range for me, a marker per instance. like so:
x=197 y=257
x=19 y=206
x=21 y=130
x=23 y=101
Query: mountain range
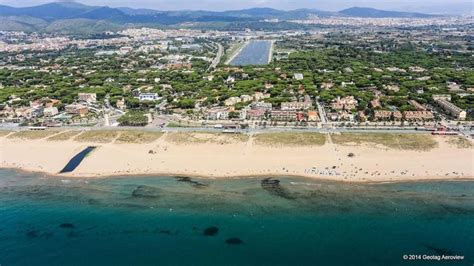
x=79 y=18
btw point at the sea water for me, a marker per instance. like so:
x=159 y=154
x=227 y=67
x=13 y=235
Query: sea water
x=163 y=220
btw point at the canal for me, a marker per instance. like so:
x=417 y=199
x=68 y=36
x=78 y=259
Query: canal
x=254 y=53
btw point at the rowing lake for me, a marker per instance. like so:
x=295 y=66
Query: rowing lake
x=254 y=53
x=157 y=220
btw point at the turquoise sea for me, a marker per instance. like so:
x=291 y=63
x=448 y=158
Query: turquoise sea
x=190 y=221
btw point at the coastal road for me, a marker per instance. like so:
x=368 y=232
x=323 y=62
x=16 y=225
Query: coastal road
x=249 y=130
x=217 y=59
x=322 y=113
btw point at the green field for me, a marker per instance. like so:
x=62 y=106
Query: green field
x=420 y=142
x=460 y=142
x=201 y=137
x=63 y=136
x=97 y=136
x=290 y=139
x=136 y=136
x=33 y=134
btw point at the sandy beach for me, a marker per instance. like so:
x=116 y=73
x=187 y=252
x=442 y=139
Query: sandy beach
x=221 y=156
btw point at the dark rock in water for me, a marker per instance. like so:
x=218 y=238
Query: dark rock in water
x=187 y=179
x=168 y=232
x=32 y=234
x=211 y=231
x=455 y=209
x=273 y=187
x=234 y=241
x=66 y=225
x=93 y=202
x=146 y=192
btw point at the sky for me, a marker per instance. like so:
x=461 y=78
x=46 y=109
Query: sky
x=427 y=6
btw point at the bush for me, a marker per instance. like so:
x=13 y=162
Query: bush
x=134 y=119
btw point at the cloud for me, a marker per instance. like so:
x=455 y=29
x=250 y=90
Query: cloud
x=261 y=2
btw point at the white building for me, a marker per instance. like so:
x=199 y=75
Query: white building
x=50 y=111
x=298 y=76
x=148 y=97
x=217 y=114
x=452 y=109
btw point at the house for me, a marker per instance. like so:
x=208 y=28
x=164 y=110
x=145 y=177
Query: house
x=121 y=104
x=298 y=76
x=327 y=85
x=380 y=115
x=375 y=103
x=418 y=115
x=51 y=102
x=446 y=97
x=451 y=109
x=313 y=116
x=6 y=111
x=88 y=97
x=260 y=96
x=246 y=98
x=416 y=69
x=268 y=86
x=25 y=112
x=346 y=103
x=76 y=109
x=36 y=104
x=232 y=101
x=394 y=88
x=345 y=116
x=454 y=87
x=361 y=116
x=148 y=97
x=283 y=115
x=217 y=113
x=345 y=84
x=397 y=115
x=261 y=106
x=418 y=106
x=256 y=114
x=296 y=105
x=50 y=111
x=301 y=116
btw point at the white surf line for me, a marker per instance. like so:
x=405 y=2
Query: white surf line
x=234 y=55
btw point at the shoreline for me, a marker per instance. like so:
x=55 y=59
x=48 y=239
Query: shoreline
x=218 y=156
x=419 y=179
